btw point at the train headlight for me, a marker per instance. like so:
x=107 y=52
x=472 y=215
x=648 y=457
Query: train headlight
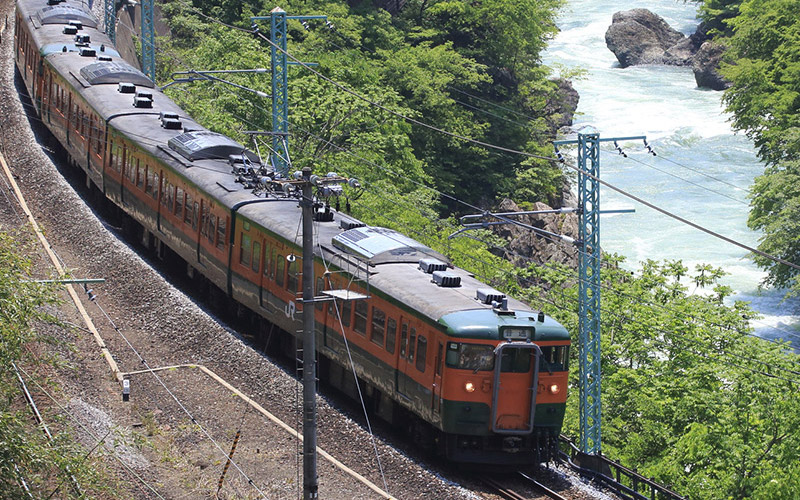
x=554 y=389
x=469 y=387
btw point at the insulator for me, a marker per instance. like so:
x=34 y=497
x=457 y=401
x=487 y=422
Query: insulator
x=305 y=24
x=337 y=205
x=330 y=25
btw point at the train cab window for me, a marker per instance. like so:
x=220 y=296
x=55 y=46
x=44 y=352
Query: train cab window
x=515 y=361
x=554 y=358
x=360 y=321
x=222 y=232
x=179 y=195
x=422 y=352
x=292 y=277
x=256 y=256
x=246 y=252
x=280 y=267
x=475 y=357
x=391 y=334
x=378 y=332
x=412 y=339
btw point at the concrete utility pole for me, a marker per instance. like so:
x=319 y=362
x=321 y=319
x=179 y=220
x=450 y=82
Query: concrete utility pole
x=589 y=286
x=310 y=486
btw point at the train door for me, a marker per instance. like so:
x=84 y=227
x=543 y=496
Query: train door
x=408 y=342
x=516 y=374
x=438 y=369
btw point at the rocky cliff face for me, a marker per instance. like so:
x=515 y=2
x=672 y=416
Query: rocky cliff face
x=527 y=247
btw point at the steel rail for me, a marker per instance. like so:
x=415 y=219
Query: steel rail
x=542 y=488
x=501 y=490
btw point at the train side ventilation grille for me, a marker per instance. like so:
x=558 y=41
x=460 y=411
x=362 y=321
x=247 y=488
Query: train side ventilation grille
x=431 y=265
x=446 y=279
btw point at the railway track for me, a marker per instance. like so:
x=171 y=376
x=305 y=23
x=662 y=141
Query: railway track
x=509 y=493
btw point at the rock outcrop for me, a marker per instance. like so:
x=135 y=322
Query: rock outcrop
x=527 y=247
x=560 y=108
x=640 y=37
x=706 y=66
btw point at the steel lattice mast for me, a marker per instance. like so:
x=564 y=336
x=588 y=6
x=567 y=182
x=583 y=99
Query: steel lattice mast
x=589 y=263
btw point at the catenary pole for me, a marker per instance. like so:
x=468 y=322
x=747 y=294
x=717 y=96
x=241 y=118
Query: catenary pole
x=310 y=485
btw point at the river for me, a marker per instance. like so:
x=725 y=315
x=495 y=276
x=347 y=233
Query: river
x=702 y=170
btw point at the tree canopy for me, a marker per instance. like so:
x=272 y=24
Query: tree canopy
x=472 y=69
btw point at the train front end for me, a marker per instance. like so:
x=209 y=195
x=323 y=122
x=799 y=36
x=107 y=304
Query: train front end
x=505 y=386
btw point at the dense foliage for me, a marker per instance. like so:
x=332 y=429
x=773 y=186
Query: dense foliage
x=690 y=397
x=471 y=68
x=763 y=64
x=25 y=454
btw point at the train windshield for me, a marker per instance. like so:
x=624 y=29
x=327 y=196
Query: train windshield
x=555 y=358
x=516 y=361
x=475 y=357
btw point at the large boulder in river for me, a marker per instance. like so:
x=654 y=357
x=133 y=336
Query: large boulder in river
x=706 y=66
x=528 y=247
x=640 y=37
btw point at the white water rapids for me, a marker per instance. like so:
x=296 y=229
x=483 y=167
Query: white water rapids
x=703 y=170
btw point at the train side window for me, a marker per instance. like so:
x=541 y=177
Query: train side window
x=347 y=311
x=403 y=340
x=256 y=256
x=555 y=358
x=130 y=171
x=318 y=291
x=156 y=185
x=280 y=266
x=222 y=232
x=179 y=195
x=187 y=211
x=391 y=334
x=166 y=199
x=292 y=277
x=148 y=185
x=212 y=228
x=195 y=214
x=422 y=352
x=412 y=339
x=245 y=253
x=360 y=321
x=141 y=174
x=378 y=333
